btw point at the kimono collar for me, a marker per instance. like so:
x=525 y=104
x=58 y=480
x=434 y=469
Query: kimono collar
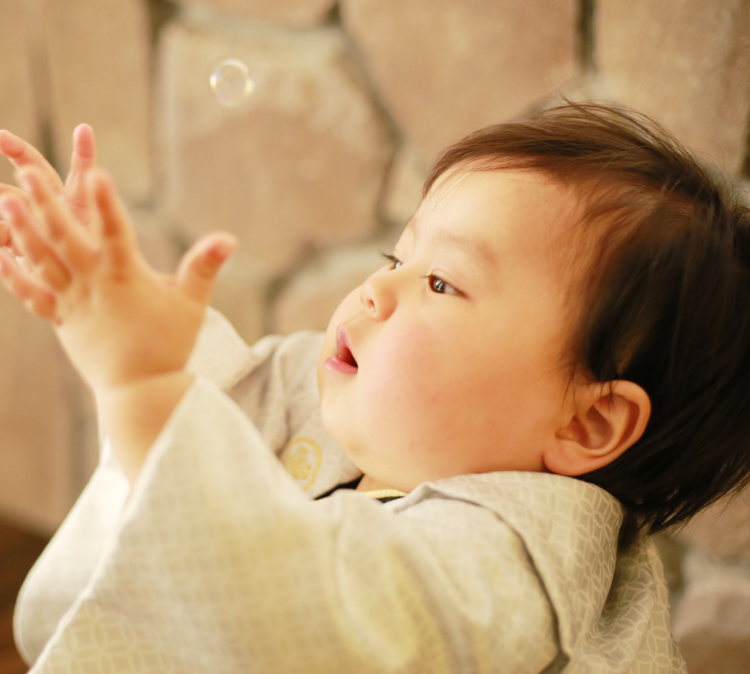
x=570 y=531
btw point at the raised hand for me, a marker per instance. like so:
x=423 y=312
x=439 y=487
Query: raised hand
x=73 y=191
x=120 y=321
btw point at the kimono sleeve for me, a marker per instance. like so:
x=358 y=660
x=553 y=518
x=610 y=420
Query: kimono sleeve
x=272 y=371
x=221 y=564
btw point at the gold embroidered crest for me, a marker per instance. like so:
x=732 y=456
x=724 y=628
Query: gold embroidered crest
x=301 y=458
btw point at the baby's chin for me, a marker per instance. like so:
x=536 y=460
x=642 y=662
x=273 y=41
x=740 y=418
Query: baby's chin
x=339 y=432
x=327 y=416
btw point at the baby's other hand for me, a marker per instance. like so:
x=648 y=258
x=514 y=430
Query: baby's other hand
x=118 y=319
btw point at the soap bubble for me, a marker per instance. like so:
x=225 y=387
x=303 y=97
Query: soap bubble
x=231 y=83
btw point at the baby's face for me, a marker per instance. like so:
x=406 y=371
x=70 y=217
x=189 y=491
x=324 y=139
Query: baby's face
x=457 y=340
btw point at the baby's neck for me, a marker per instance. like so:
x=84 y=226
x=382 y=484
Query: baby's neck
x=369 y=484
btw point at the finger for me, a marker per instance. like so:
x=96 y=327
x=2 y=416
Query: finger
x=12 y=191
x=38 y=300
x=24 y=264
x=23 y=155
x=119 y=243
x=37 y=254
x=71 y=243
x=77 y=192
x=84 y=149
x=200 y=266
x=5 y=237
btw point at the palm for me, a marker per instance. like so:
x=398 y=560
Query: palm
x=129 y=324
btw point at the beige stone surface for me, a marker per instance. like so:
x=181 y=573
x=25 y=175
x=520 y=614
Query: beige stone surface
x=722 y=529
x=446 y=68
x=301 y=161
x=38 y=58
x=156 y=239
x=99 y=73
x=17 y=110
x=403 y=187
x=241 y=296
x=712 y=623
x=41 y=421
x=312 y=295
x=686 y=63
x=291 y=12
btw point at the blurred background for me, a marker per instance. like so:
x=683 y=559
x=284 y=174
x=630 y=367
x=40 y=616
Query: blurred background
x=317 y=171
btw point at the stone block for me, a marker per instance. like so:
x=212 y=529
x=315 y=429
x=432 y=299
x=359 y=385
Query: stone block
x=17 y=109
x=241 y=296
x=712 y=623
x=291 y=12
x=41 y=468
x=156 y=239
x=312 y=295
x=403 y=187
x=99 y=73
x=301 y=161
x=446 y=68
x=686 y=63
x=723 y=529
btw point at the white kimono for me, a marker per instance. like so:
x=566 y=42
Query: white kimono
x=221 y=561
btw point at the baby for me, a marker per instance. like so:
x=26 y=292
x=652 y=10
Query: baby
x=459 y=476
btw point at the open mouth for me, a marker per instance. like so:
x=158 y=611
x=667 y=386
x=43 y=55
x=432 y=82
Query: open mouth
x=344 y=353
x=344 y=361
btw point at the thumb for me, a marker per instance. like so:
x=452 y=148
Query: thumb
x=199 y=267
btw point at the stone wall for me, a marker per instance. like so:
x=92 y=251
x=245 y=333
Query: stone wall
x=319 y=169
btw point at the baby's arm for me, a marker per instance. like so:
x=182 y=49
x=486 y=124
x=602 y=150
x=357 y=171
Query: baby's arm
x=127 y=329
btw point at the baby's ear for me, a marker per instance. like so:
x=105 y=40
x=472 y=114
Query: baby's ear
x=606 y=420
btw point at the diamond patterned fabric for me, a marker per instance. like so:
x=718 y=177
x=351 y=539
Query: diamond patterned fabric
x=220 y=559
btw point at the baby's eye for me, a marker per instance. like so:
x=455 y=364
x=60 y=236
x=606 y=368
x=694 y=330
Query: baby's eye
x=437 y=285
x=395 y=262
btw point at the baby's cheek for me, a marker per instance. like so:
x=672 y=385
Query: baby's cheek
x=400 y=385
x=344 y=311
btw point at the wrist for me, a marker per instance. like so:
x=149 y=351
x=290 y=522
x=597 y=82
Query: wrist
x=133 y=414
x=140 y=385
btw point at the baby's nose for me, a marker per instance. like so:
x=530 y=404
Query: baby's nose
x=378 y=296
x=366 y=298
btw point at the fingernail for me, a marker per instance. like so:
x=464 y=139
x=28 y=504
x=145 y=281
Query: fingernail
x=218 y=251
x=16 y=147
x=14 y=140
x=224 y=248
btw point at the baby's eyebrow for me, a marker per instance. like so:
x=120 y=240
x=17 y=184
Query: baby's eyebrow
x=476 y=247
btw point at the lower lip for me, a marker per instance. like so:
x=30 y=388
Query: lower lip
x=337 y=365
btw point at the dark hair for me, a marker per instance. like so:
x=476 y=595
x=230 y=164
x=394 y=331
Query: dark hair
x=666 y=296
